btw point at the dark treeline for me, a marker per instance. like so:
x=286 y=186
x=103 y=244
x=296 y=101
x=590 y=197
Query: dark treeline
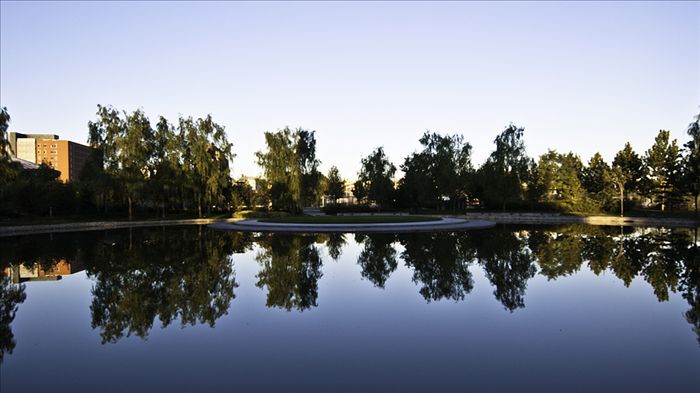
x=141 y=167
x=441 y=176
x=186 y=274
x=136 y=165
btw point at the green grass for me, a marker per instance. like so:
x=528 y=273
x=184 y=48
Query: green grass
x=348 y=219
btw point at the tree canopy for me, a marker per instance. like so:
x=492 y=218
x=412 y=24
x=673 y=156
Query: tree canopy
x=291 y=167
x=376 y=177
x=440 y=171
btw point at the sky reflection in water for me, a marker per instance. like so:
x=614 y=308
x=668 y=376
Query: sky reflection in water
x=575 y=308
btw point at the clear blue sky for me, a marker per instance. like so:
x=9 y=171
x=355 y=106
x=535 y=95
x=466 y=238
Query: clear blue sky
x=578 y=76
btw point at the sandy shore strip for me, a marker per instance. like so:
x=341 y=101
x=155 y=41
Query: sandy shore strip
x=562 y=219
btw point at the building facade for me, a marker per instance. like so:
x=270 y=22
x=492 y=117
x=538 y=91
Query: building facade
x=67 y=157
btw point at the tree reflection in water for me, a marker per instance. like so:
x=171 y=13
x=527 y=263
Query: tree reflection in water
x=11 y=295
x=508 y=264
x=440 y=262
x=164 y=275
x=378 y=257
x=187 y=273
x=334 y=244
x=291 y=268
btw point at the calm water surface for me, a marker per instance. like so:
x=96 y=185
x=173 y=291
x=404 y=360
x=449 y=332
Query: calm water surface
x=509 y=309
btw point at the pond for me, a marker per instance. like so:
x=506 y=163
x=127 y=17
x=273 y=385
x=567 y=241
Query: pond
x=572 y=308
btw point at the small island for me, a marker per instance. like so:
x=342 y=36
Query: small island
x=358 y=219
x=354 y=224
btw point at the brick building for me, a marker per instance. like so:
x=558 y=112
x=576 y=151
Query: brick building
x=67 y=157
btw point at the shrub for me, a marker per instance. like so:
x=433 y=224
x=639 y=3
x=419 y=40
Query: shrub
x=335 y=208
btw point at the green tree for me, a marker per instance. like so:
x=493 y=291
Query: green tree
x=593 y=175
x=501 y=178
x=310 y=177
x=439 y=171
x=418 y=188
x=376 y=173
x=9 y=171
x=359 y=191
x=165 y=163
x=663 y=163
x=559 y=178
x=243 y=194
x=596 y=179
x=207 y=154
x=291 y=167
x=627 y=173
x=691 y=162
x=4 y=125
x=135 y=146
x=102 y=177
x=618 y=178
x=335 y=184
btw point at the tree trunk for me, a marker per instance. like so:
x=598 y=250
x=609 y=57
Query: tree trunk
x=696 y=205
x=622 y=201
x=663 y=200
x=163 y=207
x=130 y=211
x=199 y=206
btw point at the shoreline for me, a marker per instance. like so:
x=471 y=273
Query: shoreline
x=441 y=225
x=499 y=218
x=6 y=231
x=554 y=219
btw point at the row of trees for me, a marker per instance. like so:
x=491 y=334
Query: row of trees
x=441 y=175
x=186 y=164
x=186 y=167
x=166 y=166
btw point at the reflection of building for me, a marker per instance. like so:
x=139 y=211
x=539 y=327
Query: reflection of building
x=37 y=271
x=67 y=157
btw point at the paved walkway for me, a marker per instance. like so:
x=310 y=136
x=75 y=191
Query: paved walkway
x=446 y=224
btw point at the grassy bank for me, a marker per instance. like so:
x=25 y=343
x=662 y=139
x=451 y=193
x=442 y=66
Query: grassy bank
x=348 y=219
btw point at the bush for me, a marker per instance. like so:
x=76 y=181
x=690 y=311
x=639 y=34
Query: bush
x=335 y=208
x=259 y=213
